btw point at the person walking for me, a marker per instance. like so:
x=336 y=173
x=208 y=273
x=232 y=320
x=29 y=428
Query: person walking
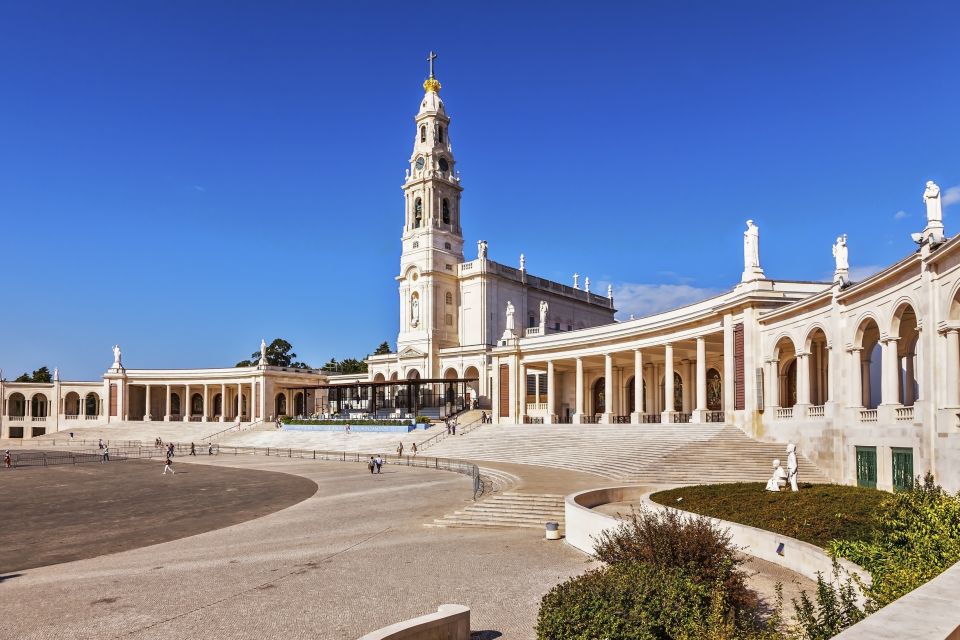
x=453 y=427
x=348 y=428
x=379 y=462
x=7 y=460
x=400 y=450
x=106 y=453
x=483 y=417
x=100 y=443
x=193 y=449
x=168 y=466
x=371 y=464
x=210 y=449
x=413 y=448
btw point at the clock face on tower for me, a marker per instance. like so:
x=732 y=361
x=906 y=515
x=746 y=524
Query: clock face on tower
x=443 y=165
x=419 y=163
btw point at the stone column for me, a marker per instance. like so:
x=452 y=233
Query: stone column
x=908 y=382
x=668 y=405
x=578 y=414
x=729 y=389
x=687 y=391
x=866 y=385
x=636 y=417
x=223 y=402
x=607 y=416
x=551 y=394
x=146 y=407
x=770 y=384
x=166 y=410
x=700 y=411
x=185 y=404
x=803 y=385
x=206 y=403
x=522 y=394
x=890 y=389
x=953 y=368
x=240 y=401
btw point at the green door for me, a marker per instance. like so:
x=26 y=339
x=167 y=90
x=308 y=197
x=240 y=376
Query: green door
x=867 y=467
x=902 y=469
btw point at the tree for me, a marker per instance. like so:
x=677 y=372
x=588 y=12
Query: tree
x=383 y=349
x=279 y=354
x=40 y=375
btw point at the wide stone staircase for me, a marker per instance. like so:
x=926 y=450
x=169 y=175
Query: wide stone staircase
x=647 y=454
x=508 y=509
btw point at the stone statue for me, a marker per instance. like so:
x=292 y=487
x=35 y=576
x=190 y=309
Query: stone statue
x=751 y=253
x=511 y=326
x=586 y=284
x=576 y=281
x=116 y=357
x=931 y=197
x=792 y=466
x=523 y=263
x=840 y=253
x=414 y=311
x=56 y=374
x=610 y=291
x=482 y=249
x=544 y=307
x=263 y=351
x=779 y=478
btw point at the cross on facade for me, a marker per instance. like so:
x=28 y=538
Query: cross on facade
x=430 y=59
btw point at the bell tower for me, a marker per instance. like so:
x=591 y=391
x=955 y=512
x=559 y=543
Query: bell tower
x=432 y=237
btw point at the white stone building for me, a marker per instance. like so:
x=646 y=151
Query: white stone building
x=864 y=376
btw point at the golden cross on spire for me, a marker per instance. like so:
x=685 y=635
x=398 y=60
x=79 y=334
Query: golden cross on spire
x=431 y=84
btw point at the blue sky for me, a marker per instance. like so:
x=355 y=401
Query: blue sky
x=185 y=178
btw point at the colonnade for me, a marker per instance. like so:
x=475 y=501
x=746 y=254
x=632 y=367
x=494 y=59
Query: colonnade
x=227 y=410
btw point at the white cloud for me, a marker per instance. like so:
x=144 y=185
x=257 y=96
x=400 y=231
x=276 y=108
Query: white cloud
x=900 y=215
x=858 y=274
x=951 y=196
x=199 y=188
x=644 y=299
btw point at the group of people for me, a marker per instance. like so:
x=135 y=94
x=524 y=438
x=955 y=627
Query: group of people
x=451 y=426
x=375 y=464
x=413 y=449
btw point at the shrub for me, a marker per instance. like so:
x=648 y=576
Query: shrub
x=917 y=537
x=422 y=419
x=671 y=539
x=833 y=609
x=638 y=600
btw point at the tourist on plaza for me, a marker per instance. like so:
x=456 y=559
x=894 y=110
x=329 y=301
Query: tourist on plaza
x=453 y=427
x=210 y=449
x=447 y=422
x=348 y=429
x=167 y=466
x=7 y=460
x=278 y=422
x=105 y=456
x=100 y=443
x=193 y=449
x=371 y=465
x=379 y=462
x=483 y=417
x=71 y=435
x=400 y=450
x=413 y=448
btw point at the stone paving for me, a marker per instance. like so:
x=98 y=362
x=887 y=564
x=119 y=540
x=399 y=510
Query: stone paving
x=351 y=558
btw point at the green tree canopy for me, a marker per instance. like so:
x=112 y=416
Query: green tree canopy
x=40 y=375
x=383 y=349
x=279 y=354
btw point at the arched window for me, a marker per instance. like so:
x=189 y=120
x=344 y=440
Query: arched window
x=440 y=135
x=449 y=298
x=446 y=211
x=423 y=133
x=418 y=213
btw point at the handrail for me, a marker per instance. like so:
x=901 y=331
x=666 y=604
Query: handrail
x=238 y=427
x=464 y=430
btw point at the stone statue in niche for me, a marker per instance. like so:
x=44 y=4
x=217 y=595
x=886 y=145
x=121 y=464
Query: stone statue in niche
x=779 y=478
x=792 y=466
x=931 y=198
x=415 y=311
x=544 y=308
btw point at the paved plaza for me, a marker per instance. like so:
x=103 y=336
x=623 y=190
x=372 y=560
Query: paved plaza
x=350 y=558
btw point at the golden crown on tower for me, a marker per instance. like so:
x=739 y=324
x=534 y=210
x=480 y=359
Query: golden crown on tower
x=431 y=84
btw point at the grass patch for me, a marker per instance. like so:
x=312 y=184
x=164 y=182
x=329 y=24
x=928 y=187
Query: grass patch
x=816 y=514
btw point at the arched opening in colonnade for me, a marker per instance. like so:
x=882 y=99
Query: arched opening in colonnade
x=298 y=404
x=196 y=405
x=240 y=404
x=17 y=405
x=786 y=373
x=871 y=363
x=449 y=390
x=714 y=390
x=218 y=404
x=175 y=409
x=92 y=402
x=71 y=404
x=473 y=387
x=598 y=397
x=280 y=404
x=819 y=366
x=908 y=334
x=38 y=405
x=677 y=392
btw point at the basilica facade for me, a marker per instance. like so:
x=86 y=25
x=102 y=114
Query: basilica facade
x=863 y=376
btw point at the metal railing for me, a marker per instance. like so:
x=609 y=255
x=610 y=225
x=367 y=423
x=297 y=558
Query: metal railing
x=620 y=420
x=715 y=416
x=652 y=418
x=461 y=431
x=233 y=427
